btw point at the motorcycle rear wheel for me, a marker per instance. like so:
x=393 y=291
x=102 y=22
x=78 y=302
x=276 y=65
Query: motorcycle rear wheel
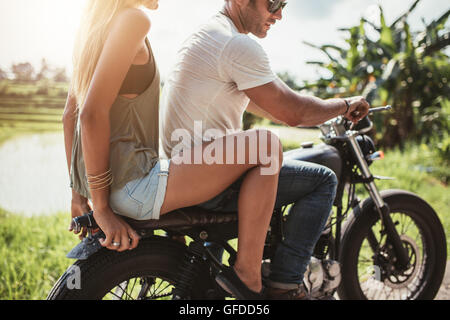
x=149 y=272
x=370 y=272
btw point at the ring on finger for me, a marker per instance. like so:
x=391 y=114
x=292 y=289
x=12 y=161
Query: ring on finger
x=116 y=244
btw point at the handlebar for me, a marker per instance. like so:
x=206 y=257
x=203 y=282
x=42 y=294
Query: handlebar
x=85 y=221
x=385 y=108
x=339 y=126
x=372 y=111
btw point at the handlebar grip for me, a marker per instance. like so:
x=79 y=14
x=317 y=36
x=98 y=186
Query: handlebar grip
x=356 y=113
x=385 y=108
x=85 y=221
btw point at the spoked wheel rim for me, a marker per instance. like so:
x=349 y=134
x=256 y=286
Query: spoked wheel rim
x=142 y=288
x=379 y=276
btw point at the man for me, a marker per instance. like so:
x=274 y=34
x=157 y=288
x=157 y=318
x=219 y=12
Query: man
x=220 y=73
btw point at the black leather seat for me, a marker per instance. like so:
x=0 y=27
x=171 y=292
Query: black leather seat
x=186 y=217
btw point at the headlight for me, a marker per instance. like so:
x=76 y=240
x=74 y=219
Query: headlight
x=367 y=146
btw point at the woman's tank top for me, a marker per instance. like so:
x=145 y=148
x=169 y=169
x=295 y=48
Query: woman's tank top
x=134 y=148
x=139 y=77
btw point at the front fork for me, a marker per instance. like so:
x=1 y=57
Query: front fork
x=382 y=207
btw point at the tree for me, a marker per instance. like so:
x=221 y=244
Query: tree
x=3 y=75
x=44 y=71
x=60 y=75
x=408 y=70
x=23 y=71
x=289 y=79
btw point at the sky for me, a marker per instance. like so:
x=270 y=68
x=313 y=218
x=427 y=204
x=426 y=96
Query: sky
x=34 y=29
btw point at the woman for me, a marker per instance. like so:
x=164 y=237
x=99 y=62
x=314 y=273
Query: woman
x=112 y=143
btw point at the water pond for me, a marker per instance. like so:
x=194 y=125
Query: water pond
x=33 y=175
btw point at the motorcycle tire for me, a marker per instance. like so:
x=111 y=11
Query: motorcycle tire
x=149 y=272
x=372 y=274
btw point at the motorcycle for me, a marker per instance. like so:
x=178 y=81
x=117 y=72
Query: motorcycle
x=390 y=245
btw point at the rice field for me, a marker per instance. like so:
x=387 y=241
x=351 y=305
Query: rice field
x=30 y=107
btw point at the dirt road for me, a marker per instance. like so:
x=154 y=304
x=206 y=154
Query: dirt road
x=444 y=292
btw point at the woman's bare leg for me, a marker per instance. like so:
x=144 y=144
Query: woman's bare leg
x=192 y=184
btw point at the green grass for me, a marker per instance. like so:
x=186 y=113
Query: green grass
x=291 y=138
x=33 y=254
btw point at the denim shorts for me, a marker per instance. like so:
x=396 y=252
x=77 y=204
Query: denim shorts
x=142 y=199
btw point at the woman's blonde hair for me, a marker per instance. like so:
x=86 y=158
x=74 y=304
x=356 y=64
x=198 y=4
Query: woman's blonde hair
x=91 y=37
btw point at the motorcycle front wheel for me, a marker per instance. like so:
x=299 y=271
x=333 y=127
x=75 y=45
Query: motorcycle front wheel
x=369 y=266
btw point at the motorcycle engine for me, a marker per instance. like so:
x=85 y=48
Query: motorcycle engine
x=322 y=277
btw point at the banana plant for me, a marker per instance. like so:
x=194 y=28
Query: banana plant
x=409 y=70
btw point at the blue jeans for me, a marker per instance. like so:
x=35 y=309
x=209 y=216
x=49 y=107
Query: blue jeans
x=311 y=188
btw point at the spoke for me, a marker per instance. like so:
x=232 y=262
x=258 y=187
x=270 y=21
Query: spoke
x=134 y=284
x=114 y=294
x=167 y=286
x=159 y=285
x=125 y=291
x=405 y=284
x=410 y=221
x=143 y=287
x=388 y=294
x=156 y=289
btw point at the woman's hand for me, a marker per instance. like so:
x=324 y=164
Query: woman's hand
x=119 y=235
x=80 y=206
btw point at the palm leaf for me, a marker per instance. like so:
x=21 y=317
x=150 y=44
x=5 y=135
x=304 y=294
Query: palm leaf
x=325 y=48
x=386 y=36
x=406 y=14
x=438 y=45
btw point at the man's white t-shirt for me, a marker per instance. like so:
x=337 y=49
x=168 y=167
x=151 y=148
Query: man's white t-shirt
x=203 y=95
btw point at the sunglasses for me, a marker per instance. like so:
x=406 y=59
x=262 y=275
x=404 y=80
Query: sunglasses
x=276 y=5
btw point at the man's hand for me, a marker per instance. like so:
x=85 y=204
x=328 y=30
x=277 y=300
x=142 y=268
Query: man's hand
x=359 y=108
